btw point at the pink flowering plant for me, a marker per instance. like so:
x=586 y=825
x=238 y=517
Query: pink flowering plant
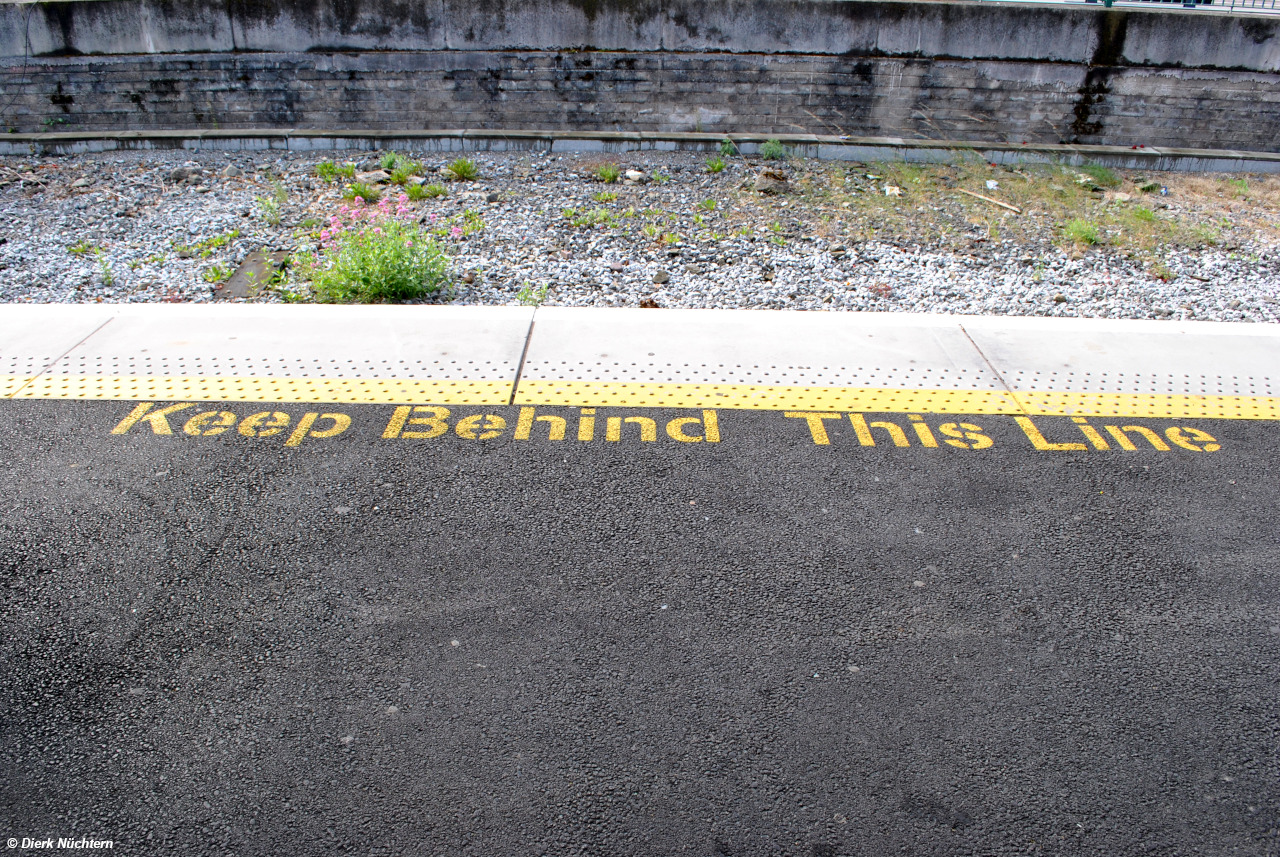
x=376 y=254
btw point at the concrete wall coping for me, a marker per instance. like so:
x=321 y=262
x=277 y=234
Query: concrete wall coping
x=1158 y=38
x=826 y=147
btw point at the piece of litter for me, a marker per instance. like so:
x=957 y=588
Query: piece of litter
x=1005 y=205
x=992 y=184
x=892 y=190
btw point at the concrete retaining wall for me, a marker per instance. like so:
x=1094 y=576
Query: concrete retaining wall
x=989 y=72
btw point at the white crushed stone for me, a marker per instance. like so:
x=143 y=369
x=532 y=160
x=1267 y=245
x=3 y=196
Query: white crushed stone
x=750 y=251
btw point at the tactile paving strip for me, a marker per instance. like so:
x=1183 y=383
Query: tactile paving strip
x=268 y=389
x=1075 y=403
x=763 y=397
x=212 y=379
x=1181 y=384
x=814 y=376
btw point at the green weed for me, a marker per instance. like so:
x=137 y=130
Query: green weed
x=595 y=217
x=1161 y=271
x=366 y=192
x=529 y=295
x=715 y=165
x=605 y=196
x=773 y=150
x=463 y=170
x=607 y=173
x=216 y=273
x=270 y=206
x=384 y=260
x=1101 y=175
x=206 y=247
x=104 y=268
x=1082 y=232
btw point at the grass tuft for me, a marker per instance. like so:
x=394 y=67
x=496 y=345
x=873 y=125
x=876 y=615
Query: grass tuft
x=463 y=170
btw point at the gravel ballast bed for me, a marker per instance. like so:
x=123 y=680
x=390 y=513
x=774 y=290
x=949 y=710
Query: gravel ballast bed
x=118 y=227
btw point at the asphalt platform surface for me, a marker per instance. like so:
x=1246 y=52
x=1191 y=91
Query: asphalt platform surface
x=757 y=646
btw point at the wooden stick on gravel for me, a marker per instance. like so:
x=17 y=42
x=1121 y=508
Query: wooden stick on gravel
x=1014 y=209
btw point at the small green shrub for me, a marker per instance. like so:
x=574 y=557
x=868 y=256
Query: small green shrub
x=366 y=192
x=416 y=192
x=605 y=196
x=1146 y=215
x=463 y=170
x=1082 y=232
x=434 y=190
x=707 y=205
x=401 y=176
x=82 y=247
x=727 y=148
x=347 y=171
x=327 y=171
x=373 y=255
x=773 y=150
x=1240 y=186
x=389 y=161
x=607 y=173
x=715 y=165
x=1101 y=175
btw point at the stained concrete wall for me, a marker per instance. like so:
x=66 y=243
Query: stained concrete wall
x=993 y=72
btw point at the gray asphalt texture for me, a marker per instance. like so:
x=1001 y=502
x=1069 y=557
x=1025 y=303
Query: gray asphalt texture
x=758 y=647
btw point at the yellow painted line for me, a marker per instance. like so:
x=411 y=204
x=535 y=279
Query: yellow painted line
x=763 y=398
x=267 y=389
x=1149 y=405
x=618 y=394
